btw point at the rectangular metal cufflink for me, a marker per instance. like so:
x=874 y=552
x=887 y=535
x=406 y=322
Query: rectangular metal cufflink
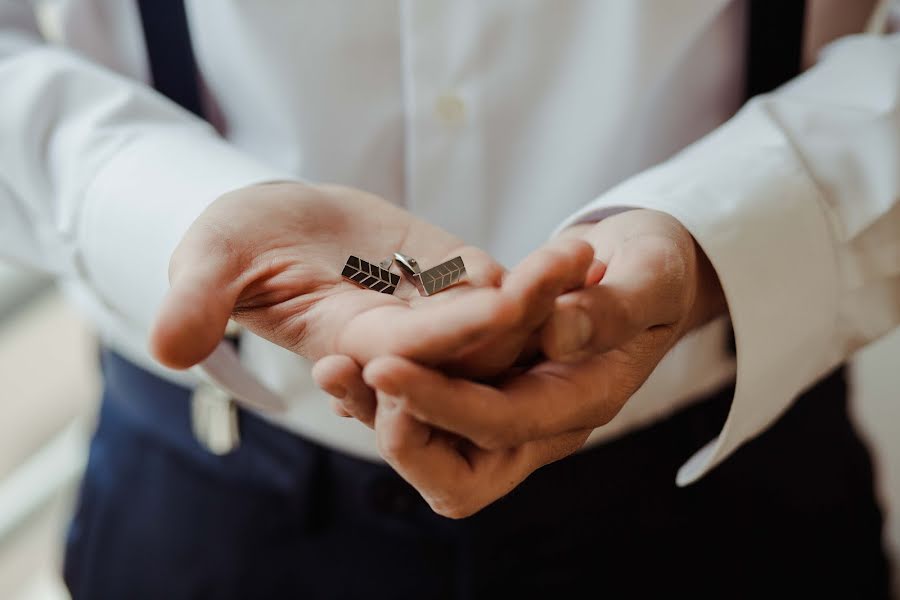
x=370 y=276
x=435 y=279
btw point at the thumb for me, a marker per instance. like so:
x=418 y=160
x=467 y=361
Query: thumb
x=194 y=313
x=643 y=287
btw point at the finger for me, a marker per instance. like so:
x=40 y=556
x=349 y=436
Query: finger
x=341 y=377
x=429 y=332
x=194 y=313
x=470 y=415
x=531 y=289
x=559 y=266
x=424 y=458
x=642 y=287
x=587 y=322
x=548 y=400
x=455 y=478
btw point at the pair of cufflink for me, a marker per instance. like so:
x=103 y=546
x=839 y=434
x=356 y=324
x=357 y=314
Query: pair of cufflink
x=379 y=278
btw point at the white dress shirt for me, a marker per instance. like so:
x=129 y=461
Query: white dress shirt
x=496 y=120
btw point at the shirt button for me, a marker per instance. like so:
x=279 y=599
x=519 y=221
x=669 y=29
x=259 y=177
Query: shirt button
x=450 y=109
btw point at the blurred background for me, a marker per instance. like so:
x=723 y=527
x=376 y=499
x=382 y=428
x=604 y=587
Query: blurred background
x=49 y=388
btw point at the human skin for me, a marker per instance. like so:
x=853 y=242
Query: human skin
x=468 y=391
x=270 y=257
x=463 y=444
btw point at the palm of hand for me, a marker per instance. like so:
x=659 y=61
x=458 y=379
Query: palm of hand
x=270 y=256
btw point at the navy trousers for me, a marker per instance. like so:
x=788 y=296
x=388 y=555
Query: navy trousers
x=793 y=514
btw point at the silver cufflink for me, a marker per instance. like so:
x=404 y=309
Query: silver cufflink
x=378 y=277
x=434 y=280
x=374 y=277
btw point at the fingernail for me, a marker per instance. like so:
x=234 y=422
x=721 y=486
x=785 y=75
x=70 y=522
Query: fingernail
x=572 y=330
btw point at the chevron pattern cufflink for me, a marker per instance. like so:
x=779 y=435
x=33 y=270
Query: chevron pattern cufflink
x=433 y=280
x=374 y=277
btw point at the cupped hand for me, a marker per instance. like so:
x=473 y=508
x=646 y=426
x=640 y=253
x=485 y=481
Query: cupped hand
x=463 y=443
x=270 y=257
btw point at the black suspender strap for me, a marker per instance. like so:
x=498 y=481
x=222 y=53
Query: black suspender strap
x=774 y=43
x=774 y=54
x=169 y=52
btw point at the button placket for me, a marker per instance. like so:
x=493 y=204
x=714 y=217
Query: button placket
x=444 y=170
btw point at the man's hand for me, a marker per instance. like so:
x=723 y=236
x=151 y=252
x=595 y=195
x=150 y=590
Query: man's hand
x=270 y=256
x=463 y=444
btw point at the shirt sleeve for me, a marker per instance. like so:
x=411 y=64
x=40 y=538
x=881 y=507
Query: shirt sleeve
x=795 y=202
x=100 y=176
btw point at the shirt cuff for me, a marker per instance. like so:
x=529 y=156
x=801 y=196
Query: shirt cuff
x=140 y=204
x=746 y=198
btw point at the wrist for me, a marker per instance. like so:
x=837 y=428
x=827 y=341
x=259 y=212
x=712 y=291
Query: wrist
x=709 y=299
